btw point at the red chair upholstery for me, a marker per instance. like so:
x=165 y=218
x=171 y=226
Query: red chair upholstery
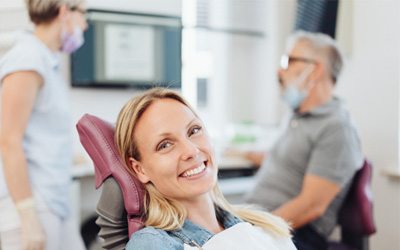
x=97 y=137
x=356 y=215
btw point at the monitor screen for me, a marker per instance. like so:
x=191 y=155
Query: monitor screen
x=129 y=50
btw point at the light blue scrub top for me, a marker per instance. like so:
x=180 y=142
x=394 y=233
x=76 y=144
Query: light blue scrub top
x=47 y=140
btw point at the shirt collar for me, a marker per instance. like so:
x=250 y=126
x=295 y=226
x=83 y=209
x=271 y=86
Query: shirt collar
x=324 y=109
x=191 y=231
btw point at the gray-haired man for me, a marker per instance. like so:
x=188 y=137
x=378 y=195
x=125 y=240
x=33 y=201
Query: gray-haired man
x=306 y=175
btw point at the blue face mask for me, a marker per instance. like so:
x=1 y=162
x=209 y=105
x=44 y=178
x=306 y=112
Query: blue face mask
x=293 y=96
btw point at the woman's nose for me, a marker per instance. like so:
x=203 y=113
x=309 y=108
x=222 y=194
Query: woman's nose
x=85 y=25
x=189 y=150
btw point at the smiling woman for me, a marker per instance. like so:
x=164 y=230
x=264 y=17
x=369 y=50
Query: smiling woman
x=165 y=145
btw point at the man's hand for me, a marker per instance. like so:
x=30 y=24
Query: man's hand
x=255 y=157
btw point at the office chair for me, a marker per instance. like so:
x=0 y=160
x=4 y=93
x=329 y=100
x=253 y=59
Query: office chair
x=118 y=220
x=355 y=216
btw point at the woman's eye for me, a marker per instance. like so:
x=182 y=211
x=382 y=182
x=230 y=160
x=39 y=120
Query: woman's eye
x=194 y=130
x=164 y=145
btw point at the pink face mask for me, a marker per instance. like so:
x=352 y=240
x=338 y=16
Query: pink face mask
x=72 y=41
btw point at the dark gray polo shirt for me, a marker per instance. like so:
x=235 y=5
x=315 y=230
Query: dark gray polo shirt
x=322 y=142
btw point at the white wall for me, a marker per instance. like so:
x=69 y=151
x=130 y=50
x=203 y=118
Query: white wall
x=370 y=86
x=280 y=22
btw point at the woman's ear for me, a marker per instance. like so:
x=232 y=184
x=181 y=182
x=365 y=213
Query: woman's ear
x=139 y=171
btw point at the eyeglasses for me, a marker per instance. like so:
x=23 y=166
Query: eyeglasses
x=286 y=60
x=78 y=9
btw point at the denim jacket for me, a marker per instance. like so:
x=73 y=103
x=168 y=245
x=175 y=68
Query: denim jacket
x=150 y=238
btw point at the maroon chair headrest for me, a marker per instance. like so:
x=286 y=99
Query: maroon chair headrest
x=97 y=137
x=356 y=214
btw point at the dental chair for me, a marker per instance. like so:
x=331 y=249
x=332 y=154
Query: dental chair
x=118 y=185
x=355 y=216
x=118 y=220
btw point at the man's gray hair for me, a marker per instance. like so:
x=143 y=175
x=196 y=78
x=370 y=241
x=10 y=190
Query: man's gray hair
x=320 y=43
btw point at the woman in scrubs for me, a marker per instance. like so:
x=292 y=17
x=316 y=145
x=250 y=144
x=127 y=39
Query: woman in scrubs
x=36 y=131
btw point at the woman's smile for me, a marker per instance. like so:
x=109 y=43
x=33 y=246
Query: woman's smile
x=195 y=172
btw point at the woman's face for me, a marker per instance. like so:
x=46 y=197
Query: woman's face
x=72 y=17
x=176 y=152
x=77 y=18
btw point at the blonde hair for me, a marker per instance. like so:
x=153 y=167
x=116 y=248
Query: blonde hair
x=162 y=212
x=44 y=11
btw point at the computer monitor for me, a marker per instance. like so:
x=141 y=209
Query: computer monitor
x=129 y=50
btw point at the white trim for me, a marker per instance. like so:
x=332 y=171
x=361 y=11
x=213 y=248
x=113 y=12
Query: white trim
x=391 y=172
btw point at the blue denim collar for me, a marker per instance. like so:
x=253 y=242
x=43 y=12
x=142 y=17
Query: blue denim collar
x=195 y=235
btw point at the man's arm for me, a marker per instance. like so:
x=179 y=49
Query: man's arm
x=315 y=196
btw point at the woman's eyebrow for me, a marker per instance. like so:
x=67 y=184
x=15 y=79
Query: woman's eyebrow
x=166 y=134
x=191 y=122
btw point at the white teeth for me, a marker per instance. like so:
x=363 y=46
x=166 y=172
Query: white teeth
x=194 y=171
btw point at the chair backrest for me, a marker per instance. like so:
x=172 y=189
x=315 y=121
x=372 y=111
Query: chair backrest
x=97 y=137
x=356 y=215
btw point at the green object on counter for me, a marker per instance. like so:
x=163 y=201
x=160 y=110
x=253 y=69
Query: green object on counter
x=244 y=133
